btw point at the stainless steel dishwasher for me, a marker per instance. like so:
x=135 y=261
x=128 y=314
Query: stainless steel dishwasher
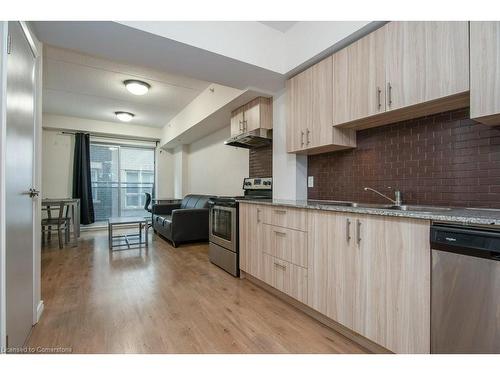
x=465 y=302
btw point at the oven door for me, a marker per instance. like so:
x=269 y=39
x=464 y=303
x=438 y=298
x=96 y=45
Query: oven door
x=223 y=226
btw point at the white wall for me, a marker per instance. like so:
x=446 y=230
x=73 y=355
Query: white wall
x=289 y=170
x=57 y=164
x=214 y=168
x=306 y=39
x=180 y=169
x=164 y=174
x=102 y=127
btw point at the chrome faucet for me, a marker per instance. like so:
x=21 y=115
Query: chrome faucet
x=397 y=201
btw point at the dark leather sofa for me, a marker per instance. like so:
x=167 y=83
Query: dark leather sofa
x=184 y=221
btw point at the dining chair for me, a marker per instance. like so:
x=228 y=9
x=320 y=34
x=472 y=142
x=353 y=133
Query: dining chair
x=147 y=208
x=59 y=224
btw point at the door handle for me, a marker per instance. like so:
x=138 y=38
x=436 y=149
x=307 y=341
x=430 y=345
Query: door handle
x=241 y=124
x=379 y=102
x=244 y=125
x=348 y=230
x=302 y=138
x=358 y=232
x=258 y=215
x=280 y=266
x=280 y=233
x=280 y=211
x=307 y=136
x=389 y=94
x=32 y=193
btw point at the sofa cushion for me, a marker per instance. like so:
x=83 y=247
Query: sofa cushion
x=160 y=219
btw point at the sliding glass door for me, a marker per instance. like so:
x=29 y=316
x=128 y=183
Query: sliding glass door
x=121 y=175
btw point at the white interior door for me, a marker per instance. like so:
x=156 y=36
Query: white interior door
x=19 y=180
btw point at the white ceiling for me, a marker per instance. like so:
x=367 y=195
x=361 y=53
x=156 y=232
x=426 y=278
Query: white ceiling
x=282 y=26
x=80 y=85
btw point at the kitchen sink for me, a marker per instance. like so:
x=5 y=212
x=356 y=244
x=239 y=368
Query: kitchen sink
x=333 y=203
x=422 y=209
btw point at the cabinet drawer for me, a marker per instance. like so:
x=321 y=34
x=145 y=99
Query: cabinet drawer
x=286 y=244
x=291 y=218
x=286 y=277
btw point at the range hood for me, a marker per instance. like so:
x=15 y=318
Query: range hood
x=252 y=139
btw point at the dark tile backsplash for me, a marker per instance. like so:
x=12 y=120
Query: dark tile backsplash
x=445 y=159
x=261 y=162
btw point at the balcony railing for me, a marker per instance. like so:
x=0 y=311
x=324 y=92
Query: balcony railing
x=113 y=199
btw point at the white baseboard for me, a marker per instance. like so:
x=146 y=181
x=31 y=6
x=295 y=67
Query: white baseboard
x=39 y=311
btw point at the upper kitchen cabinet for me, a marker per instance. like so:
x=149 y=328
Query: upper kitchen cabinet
x=237 y=122
x=257 y=114
x=425 y=61
x=485 y=72
x=359 y=79
x=402 y=70
x=310 y=113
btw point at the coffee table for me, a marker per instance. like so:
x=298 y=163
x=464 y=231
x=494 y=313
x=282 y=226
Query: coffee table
x=132 y=241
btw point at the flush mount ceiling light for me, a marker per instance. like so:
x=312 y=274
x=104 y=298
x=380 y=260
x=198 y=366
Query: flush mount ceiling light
x=137 y=87
x=124 y=116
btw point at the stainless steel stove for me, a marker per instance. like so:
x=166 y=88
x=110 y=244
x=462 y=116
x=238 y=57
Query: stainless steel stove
x=224 y=225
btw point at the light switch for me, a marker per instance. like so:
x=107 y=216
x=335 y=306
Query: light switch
x=310 y=181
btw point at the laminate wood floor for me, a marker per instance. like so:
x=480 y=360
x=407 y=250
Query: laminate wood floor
x=165 y=300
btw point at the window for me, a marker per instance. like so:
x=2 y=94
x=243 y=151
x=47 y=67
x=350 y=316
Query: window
x=121 y=175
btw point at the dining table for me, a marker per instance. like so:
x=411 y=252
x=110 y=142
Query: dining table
x=74 y=207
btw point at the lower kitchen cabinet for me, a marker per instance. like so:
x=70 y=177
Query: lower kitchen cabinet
x=250 y=225
x=372 y=275
x=369 y=273
x=285 y=276
x=287 y=244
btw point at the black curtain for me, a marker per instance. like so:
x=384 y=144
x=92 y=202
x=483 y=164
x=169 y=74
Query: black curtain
x=82 y=185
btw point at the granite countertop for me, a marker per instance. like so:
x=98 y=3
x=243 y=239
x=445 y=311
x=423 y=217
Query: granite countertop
x=457 y=215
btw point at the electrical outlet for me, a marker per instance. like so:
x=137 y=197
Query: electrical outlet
x=310 y=181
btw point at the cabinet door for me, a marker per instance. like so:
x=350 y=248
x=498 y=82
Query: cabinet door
x=359 y=79
x=296 y=112
x=485 y=71
x=425 y=61
x=250 y=237
x=330 y=265
x=258 y=114
x=237 y=122
x=319 y=111
x=392 y=304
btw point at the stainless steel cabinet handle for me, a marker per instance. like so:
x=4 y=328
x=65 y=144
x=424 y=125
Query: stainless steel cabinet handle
x=280 y=233
x=389 y=94
x=280 y=211
x=241 y=124
x=307 y=136
x=258 y=215
x=348 y=230
x=280 y=266
x=244 y=125
x=302 y=139
x=358 y=232
x=379 y=92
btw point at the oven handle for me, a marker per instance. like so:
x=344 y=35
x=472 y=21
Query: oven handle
x=222 y=208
